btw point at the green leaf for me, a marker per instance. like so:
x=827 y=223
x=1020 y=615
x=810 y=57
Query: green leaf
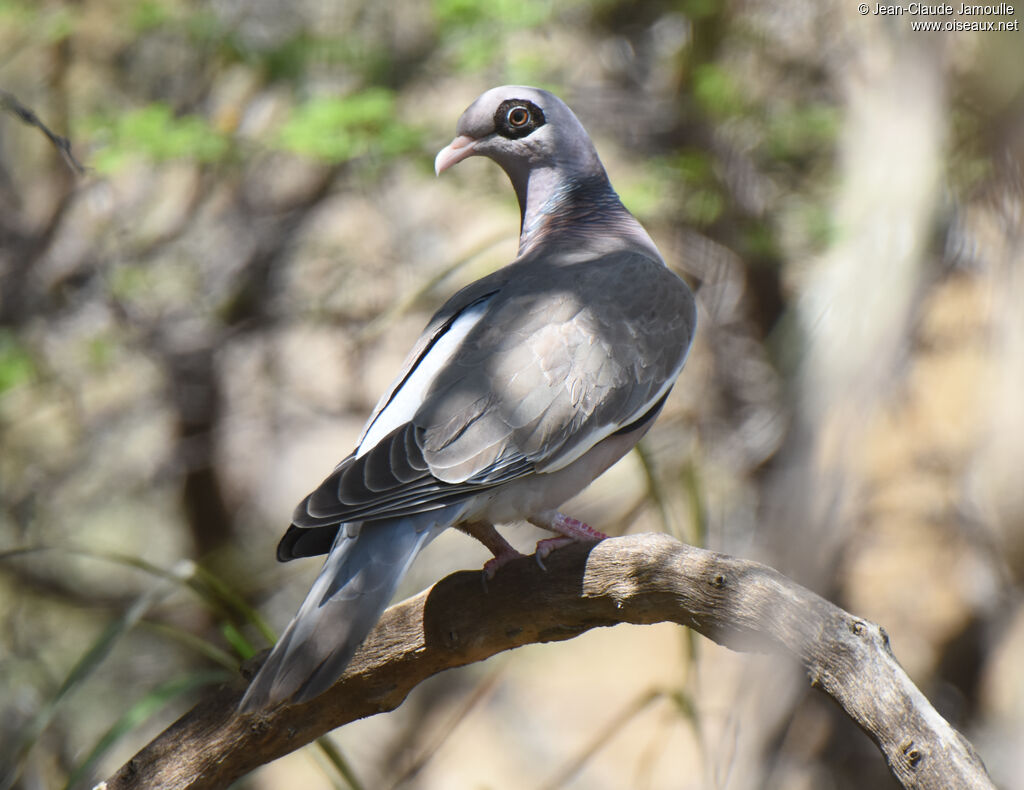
x=16 y=364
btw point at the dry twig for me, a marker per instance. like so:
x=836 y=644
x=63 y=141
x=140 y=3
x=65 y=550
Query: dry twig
x=10 y=103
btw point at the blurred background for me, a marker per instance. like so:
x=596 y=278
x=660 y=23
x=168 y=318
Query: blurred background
x=193 y=331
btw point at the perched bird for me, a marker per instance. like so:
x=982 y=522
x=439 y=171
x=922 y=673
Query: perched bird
x=524 y=387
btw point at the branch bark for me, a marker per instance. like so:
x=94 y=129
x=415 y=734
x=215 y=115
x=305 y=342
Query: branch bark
x=637 y=579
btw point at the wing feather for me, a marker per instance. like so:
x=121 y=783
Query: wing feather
x=556 y=359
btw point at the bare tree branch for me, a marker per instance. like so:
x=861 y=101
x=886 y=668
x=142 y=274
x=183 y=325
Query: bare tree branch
x=638 y=579
x=9 y=102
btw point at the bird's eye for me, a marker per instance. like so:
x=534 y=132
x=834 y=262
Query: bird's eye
x=518 y=117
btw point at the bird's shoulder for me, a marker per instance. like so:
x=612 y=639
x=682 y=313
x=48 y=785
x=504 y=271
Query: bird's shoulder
x=625 y=295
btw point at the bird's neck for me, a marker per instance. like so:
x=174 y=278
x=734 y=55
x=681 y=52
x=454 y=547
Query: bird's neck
x=560 y=210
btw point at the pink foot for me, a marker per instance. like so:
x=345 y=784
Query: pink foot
x=570 y=530
x=566 y=525
x=501 y=549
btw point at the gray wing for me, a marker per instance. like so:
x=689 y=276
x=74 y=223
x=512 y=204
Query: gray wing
x=439 y=323
x=568 y=356
x=563 y=357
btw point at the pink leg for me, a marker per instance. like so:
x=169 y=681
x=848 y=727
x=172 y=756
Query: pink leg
x=501 y=549
x=571 y=530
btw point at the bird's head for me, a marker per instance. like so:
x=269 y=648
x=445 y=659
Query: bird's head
x=564 y=195
x=523 y=129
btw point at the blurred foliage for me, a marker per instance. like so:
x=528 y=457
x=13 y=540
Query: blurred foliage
x=192 y=331
x=476 y=31
x=152 y=132
x=717 y=92
x=329 y=128
x=16 y=365
x=338 y=129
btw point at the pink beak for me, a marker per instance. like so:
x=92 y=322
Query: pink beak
x=458 y=149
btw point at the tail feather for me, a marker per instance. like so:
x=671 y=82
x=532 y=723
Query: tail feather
x=355 y=585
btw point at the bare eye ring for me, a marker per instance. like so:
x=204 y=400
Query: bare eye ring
x=518 y=117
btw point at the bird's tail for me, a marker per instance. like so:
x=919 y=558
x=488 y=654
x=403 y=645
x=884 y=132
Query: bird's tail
x=355 y=585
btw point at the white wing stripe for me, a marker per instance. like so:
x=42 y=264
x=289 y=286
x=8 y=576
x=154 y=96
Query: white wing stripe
x=408 y=398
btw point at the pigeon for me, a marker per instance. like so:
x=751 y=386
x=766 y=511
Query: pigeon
x=524 y=387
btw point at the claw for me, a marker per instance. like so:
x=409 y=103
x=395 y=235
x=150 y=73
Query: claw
x=501 y=549
x=497 y=561
x=548 y=545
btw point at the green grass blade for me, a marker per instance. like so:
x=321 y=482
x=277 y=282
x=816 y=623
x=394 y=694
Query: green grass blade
x=85 y=666
x=633 y=709
x=237 y=640
x=235 y=602
x=698 y=510
x=195 y=643
x=217 y=596
x=655 y=490
x=438 y=736
x=329 y=749
x=140 y=712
